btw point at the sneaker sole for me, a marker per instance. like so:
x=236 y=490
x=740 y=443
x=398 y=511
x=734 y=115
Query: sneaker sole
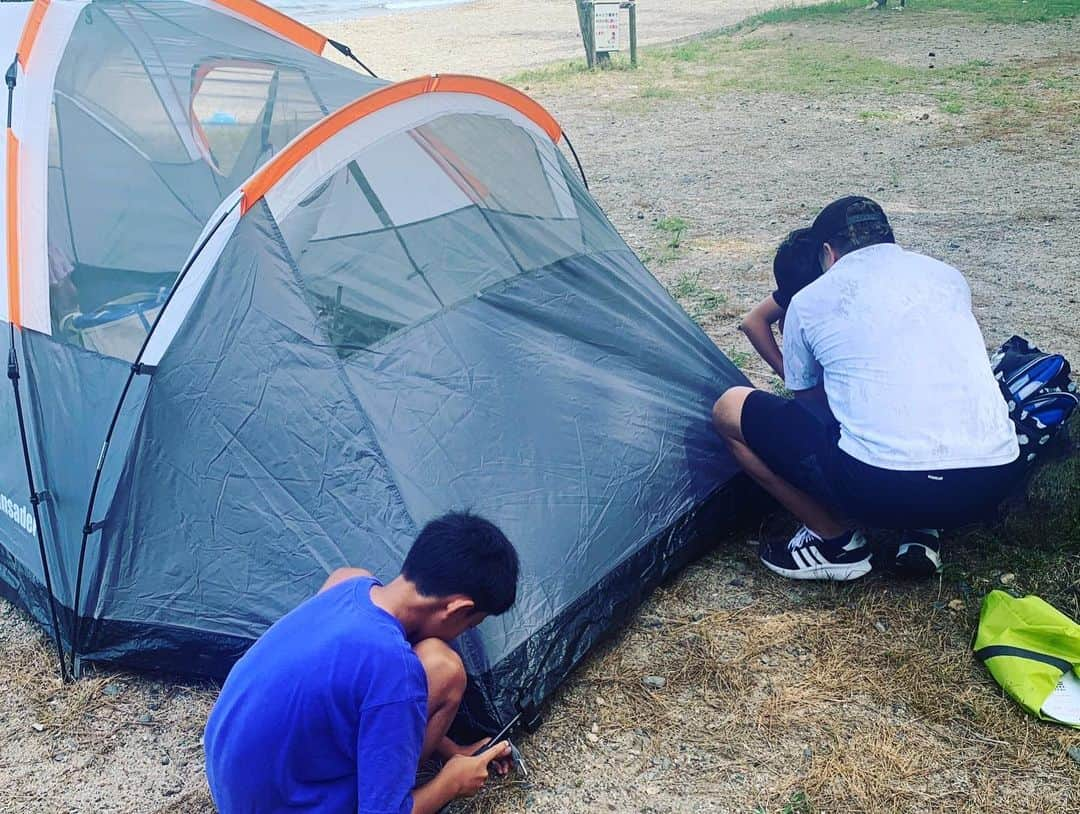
x=834 y=573
x=916 y=561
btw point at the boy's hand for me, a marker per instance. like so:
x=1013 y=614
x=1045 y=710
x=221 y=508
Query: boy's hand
x=467 y=775
x=447 y=749
x=501 y=765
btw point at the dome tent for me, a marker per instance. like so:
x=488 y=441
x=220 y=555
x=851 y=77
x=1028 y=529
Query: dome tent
x=311 y=310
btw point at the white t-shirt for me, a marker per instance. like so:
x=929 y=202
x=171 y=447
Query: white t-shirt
x=905 y=369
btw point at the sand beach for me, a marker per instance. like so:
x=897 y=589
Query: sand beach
x=500 y=37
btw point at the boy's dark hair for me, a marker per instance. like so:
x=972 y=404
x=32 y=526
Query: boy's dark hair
x=460 y=553
x=795 y=265
x=851 y=223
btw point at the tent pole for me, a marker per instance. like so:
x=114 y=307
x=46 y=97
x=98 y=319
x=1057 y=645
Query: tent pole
x=89 y=527
x=13 y=375
x=573 y=152
x=384 y=218
x=35 y=499
x=137 y=368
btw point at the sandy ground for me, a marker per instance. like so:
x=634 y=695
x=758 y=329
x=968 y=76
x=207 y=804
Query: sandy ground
x=770 y=689
x=499 y=37
x=744 y=168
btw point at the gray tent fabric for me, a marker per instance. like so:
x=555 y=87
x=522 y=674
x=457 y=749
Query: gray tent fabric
x=569 y=405
x=69 y=396
x=445 y=321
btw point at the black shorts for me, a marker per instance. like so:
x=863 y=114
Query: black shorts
x=802 y=449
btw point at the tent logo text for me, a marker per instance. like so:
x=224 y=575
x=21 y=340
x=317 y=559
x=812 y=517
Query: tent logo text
x=19 y=513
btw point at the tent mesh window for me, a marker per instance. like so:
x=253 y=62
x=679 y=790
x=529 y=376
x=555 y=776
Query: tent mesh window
x=160 y=111
x=429 y=216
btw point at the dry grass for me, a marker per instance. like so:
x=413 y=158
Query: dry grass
x=92 y=726
x=843 y=698
x=842 y=715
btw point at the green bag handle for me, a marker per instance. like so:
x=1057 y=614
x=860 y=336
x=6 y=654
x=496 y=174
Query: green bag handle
x=1028 y=646
x=990 y=651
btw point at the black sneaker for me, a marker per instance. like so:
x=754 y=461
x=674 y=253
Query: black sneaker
x=919 y=554
x=807 y=556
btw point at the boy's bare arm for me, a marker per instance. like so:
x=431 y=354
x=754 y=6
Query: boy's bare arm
x=758 y=327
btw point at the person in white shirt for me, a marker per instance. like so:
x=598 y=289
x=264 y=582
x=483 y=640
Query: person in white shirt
x=921 y=441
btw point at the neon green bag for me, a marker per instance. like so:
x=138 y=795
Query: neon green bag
x=1033 y=651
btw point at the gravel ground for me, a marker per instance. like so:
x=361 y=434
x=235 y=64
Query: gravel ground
x=744 y=168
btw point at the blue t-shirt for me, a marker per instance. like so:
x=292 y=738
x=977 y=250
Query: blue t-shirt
x=326 y=712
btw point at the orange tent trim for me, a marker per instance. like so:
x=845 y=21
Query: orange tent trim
x=30 y=31
x=317 y=134
x=283 y=24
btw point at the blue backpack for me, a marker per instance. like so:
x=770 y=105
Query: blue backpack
x=1038 y=390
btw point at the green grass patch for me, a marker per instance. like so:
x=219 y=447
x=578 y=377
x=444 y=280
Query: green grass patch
x=779 y=388
x=739 y=358
x=704 y=49
x=798 y=803
x=951 y=103
x=696 y=298
x=657 y=92
x=675 y=228
x=995 y=11
x=550 y=73
x=1002 y=99
x=687 y=52
x=800 y=14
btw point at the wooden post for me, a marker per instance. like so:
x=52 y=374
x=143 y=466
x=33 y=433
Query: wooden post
x=585 y=21
x=633 y=34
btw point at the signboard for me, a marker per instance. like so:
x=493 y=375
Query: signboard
x=606 y=26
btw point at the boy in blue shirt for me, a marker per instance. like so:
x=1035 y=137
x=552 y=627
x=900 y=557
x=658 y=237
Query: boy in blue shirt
x=334 y=708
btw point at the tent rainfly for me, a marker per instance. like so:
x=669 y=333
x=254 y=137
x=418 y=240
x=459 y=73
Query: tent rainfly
x=267 y=316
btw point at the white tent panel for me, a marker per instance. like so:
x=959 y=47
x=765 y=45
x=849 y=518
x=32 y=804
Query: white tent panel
x=342 y=147
x=30 y=123
x=430 y=191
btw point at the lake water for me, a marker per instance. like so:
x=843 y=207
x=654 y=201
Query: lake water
x=317 y=11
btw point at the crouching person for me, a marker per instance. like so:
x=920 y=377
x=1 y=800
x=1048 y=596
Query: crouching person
x=334 y=708
x=794 y=267
x=886 y=340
